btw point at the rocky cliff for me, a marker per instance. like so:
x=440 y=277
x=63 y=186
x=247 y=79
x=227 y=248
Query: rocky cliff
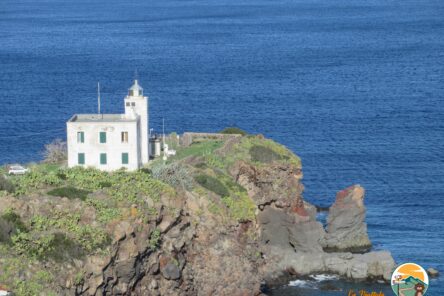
x=221 y=218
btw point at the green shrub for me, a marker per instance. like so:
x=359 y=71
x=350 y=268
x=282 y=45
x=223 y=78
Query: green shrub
x=176 y=174
x=131 y=187
x=155 y=239
x=12 y=217
x=35 y=179
x=55 y=246
x=233 y=130
x=264 y=154
x=63 y=248
x=90 y=238
x=212 y=184
x=88 y=179
x=70 y=192
x=105 y=213
x=240 y=206
x=32 y=245
x=214 y=161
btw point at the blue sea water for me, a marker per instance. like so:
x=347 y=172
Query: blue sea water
x=356 y=88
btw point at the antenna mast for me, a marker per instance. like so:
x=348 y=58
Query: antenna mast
x=163 y=140
x=98 y=97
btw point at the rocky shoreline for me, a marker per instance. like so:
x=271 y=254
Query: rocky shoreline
x=203 y=241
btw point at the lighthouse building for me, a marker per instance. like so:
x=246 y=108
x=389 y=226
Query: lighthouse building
x=111 y=141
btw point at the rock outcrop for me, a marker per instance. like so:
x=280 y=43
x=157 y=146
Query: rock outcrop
x=346 y=227
x=432 y=272
x=295 y=243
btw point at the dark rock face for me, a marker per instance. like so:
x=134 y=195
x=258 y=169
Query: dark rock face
x=274 y=183
x=346 y=227
x=292 y=238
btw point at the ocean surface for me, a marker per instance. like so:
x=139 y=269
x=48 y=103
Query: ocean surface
x=355 y=88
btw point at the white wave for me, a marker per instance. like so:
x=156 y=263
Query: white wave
x=324 y=277
x=303 y=284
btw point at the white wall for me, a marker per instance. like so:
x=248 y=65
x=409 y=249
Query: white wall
x=141 y=109
x=113 y=146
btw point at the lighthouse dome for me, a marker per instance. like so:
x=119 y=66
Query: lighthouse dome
x=136 y=90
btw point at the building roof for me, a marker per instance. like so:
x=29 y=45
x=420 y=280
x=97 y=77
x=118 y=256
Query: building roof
x=102 y=118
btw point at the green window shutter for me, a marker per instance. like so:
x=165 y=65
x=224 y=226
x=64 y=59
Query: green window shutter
x=102 y=137
x=80 y=137
x=102 y=158
x=81 y=158
x=124 y=158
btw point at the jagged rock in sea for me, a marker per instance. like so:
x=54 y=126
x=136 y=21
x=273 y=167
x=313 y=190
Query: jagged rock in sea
x=346 y=227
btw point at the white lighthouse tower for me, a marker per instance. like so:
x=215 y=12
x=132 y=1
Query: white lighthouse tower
x=136 y=103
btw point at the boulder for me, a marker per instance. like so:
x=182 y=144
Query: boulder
x=170 y=271
x=346 y=227
x=432 y=272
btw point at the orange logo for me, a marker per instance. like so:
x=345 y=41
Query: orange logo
x=410 y=279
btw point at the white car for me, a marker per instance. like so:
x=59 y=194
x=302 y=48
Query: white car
x=17 y=170
x=4 y=292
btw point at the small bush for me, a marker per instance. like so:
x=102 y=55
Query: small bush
x=176 y=174
x=155 y=239
x=43 y=246
x=11 y=217
x=233 y=130
x=35 y=179
x=31 y=245
x=55 y=152
x=63 y=248
x=6 y=185
x=263 y=154
x=241 y=207
x=70 y=192
x=212 y=184
x=90 y=238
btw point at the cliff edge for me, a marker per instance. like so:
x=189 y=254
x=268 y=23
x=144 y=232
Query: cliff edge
x=225 y=216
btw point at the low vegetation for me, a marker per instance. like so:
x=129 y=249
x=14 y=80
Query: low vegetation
x=197 y=149
x=175 y=174
x=233 y=130
x=265 y=154
x=213 y=184
x=70 y=192
x=260 y=151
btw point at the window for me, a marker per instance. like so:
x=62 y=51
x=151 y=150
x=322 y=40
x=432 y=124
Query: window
x=128 y=104
x=80 y=137
x=124 y=158
x=124 y=137
x=102 y=158
x=81 y=158
x=133 y=104
x=102 y=137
